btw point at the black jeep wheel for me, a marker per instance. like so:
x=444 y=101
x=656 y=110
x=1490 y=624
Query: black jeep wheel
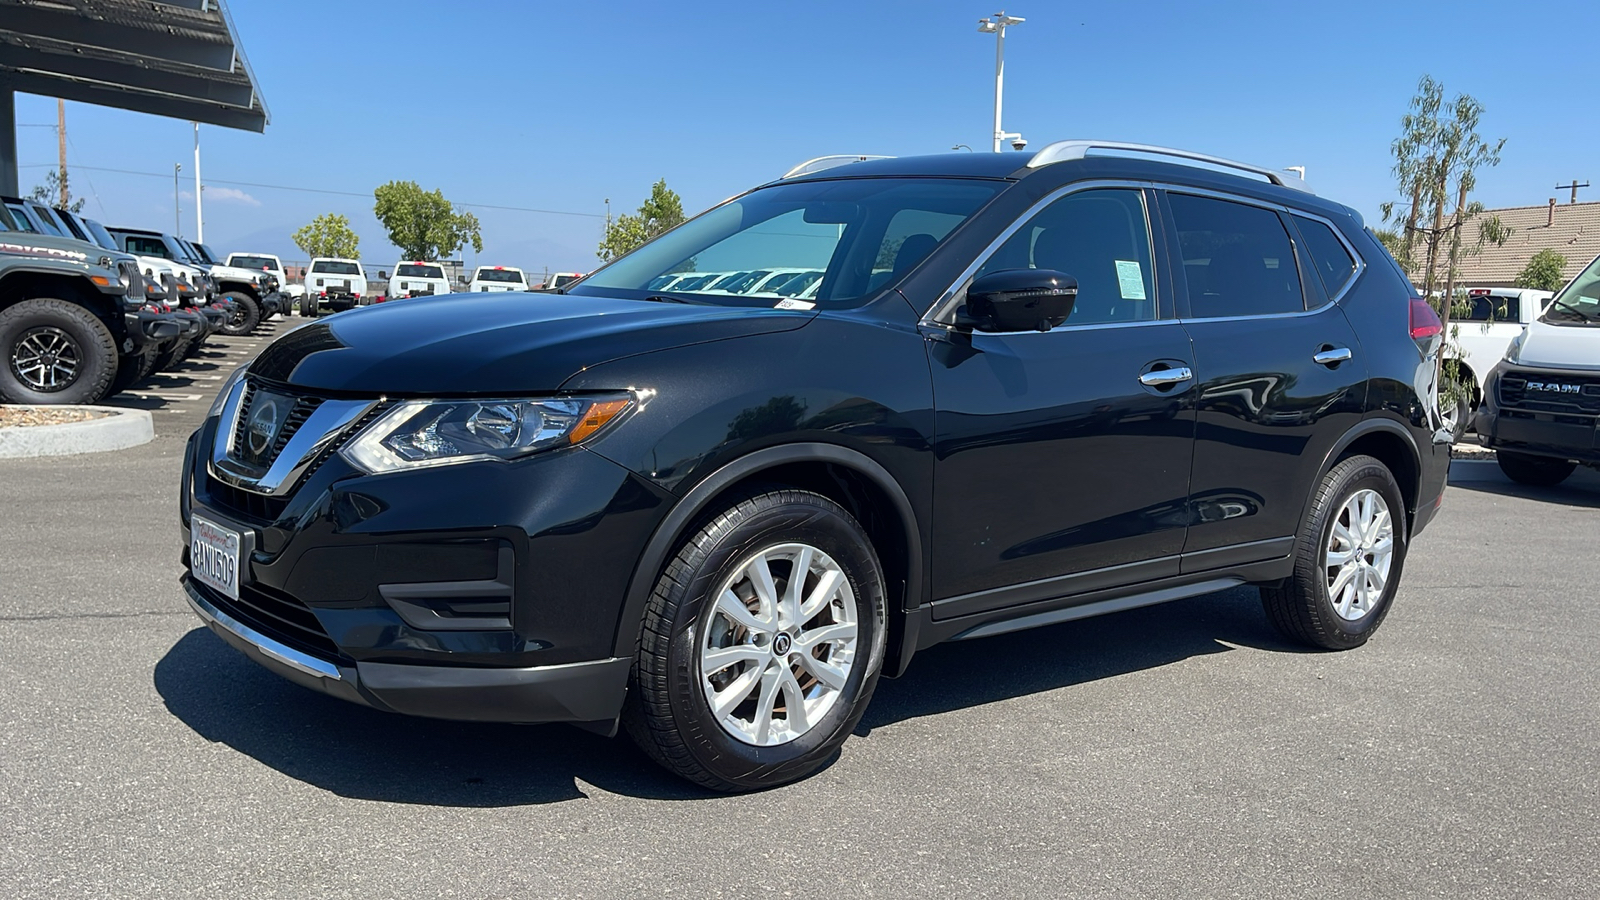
x=1538 y=471
x=244 y=317
x=761 y=644
x=53 y=351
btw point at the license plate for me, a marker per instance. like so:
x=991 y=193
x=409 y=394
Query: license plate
x=214 y=556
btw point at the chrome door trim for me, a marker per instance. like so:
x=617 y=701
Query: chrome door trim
x=1331 y=357
x=1162 y=377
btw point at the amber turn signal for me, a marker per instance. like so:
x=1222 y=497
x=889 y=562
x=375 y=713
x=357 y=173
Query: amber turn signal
x=596 y=418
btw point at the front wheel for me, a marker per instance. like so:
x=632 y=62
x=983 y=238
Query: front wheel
x=244 y=317
x=1348 y=556
x=54 y=351
x=762 y=644
x=1538 y=471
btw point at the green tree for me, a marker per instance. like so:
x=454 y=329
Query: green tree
x=661 y=213
x=1391 y=241
x=423 y=224
x=1543 y=272
x=328 y=235
x=49 y=193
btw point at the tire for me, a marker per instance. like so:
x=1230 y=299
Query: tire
x=170 y=355
x=669 y=710
x=1458 y=416
x=130 y=371
x=245 y=317
x=53 y=351
x=1303 y=608
x=1538 y=471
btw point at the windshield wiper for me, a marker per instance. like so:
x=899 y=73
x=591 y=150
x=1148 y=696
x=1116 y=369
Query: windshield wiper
x=1580 y=313
x=663 y=298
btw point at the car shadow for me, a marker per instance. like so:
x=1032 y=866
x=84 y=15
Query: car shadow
x=1581 y=489
x=365 y=754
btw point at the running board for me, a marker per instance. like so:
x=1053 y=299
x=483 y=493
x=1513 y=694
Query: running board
x=1099 y=608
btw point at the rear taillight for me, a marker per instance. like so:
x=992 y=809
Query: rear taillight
x=1424 y=321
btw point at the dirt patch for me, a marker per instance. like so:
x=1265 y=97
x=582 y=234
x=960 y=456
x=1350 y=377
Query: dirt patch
x=13 y=416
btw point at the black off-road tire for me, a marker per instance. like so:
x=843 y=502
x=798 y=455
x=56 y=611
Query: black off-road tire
x=89 y=338
x=170 y=355
x=667 y=713
x=245 y=317
x=130 y=371
x=1301 y=608
x=1538 y=471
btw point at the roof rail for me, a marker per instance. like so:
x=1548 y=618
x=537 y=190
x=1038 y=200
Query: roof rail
x=826 y=162
x=1062 y=151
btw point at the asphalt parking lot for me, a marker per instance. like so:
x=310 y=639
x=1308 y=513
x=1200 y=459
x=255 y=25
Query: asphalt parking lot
x=1173 y=751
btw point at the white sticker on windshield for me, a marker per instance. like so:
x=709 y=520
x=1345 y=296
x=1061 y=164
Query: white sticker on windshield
x=1130 y=279
x=791 y=303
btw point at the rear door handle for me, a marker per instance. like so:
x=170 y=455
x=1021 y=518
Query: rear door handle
x=1164 y=377
x=1331 y=356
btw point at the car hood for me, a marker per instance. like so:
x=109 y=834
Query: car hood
x=48 y=246
x=497 y=343
x=1561 y=346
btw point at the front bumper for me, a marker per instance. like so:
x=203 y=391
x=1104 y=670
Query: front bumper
x=574 y=692
x=1543 y=423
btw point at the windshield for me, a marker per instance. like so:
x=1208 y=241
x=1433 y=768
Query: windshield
x=1579 y=302
x=265 y=264
x=837 y=242
x=51 y=223
x=100 y=234
x=206 y=253
x=334 y=267
x=507 y=276
x=21 y=218
x=414 y=271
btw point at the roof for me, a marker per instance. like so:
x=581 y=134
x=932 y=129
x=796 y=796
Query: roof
x=1572 y=231
x=177 y=58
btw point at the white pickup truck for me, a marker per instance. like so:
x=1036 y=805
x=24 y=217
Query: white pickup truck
x=1480 y=338
x=498 y=278
x=335 y=285
x=268 y=262
x=417 y=279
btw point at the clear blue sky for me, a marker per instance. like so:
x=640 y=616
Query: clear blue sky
x=557 y=107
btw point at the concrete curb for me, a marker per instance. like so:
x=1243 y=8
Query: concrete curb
x=120 y=429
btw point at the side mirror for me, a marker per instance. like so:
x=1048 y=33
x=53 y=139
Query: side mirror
x=1019 y=300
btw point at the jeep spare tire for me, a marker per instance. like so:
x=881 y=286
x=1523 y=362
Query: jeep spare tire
x=53 y=351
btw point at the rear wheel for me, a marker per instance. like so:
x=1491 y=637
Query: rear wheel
x=761 y=645
x=53 y=351
x=244 y=317
x=1348 y=557
x=1539 y=471
x=1456 y=415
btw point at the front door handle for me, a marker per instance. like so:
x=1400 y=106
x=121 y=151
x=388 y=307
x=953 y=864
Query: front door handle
x=1331 y=356
x=1166 y=377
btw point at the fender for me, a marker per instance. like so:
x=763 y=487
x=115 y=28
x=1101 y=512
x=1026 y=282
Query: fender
x=1359 y=430
x=672 y=528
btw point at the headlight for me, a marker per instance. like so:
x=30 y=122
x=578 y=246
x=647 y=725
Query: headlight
x=227 y=387
x=1514 y=351
x=440 y=432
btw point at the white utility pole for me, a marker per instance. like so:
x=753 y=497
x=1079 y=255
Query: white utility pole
x=177 y=208
x=199 y=217
x=996 y=25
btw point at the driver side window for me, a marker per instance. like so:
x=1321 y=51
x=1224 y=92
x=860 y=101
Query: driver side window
x=1099 y=237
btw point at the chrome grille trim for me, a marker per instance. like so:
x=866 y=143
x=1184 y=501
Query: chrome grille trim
x=296 y=453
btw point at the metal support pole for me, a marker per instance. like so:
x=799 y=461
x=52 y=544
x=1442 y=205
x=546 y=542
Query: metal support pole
x=177 y=207
x=999 y=80
x=199 y=217
x=8 y=141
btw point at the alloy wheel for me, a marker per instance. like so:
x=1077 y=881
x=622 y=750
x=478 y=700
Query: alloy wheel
x=1359 y=554
x=46 y=359
x=778 y=644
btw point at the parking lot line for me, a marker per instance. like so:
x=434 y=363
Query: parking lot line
x=163 y=395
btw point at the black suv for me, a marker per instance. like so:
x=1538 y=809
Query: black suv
x=715 y=489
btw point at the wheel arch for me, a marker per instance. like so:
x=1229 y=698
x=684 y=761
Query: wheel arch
x=848 y=477
x=27 y=283
x=1390 y=443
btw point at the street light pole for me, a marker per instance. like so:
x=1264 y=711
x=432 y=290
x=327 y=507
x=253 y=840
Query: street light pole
x=996 y=25
x=177 y=208
x=199 y=218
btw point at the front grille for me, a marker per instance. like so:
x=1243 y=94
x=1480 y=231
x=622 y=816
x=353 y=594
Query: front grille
x=1516 y=393
x=248 y=504
x=280 y=617
x=300 y=409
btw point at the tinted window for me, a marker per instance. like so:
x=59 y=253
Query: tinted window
x=1237 y=258
x=146 y=246
x=331 y=267
x=507 y=276
x=51 y=223
x=1098 y=237
x=1486 y=308
x=415 y=271
x=21 y=218
x=1328 y=254
x=253 y=262
x=564 y=280
x=72 y=225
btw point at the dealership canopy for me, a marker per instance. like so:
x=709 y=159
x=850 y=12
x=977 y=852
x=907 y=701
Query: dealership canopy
x=177 y=58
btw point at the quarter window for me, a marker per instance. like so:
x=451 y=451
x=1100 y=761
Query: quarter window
x=1237 y=259
x=1328 y=254
x=1488 y=308
x=1099 y=237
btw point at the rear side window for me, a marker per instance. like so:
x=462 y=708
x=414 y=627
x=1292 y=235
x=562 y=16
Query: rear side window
x=1237 y=258
x=1487 y=308
x=1328 y=254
